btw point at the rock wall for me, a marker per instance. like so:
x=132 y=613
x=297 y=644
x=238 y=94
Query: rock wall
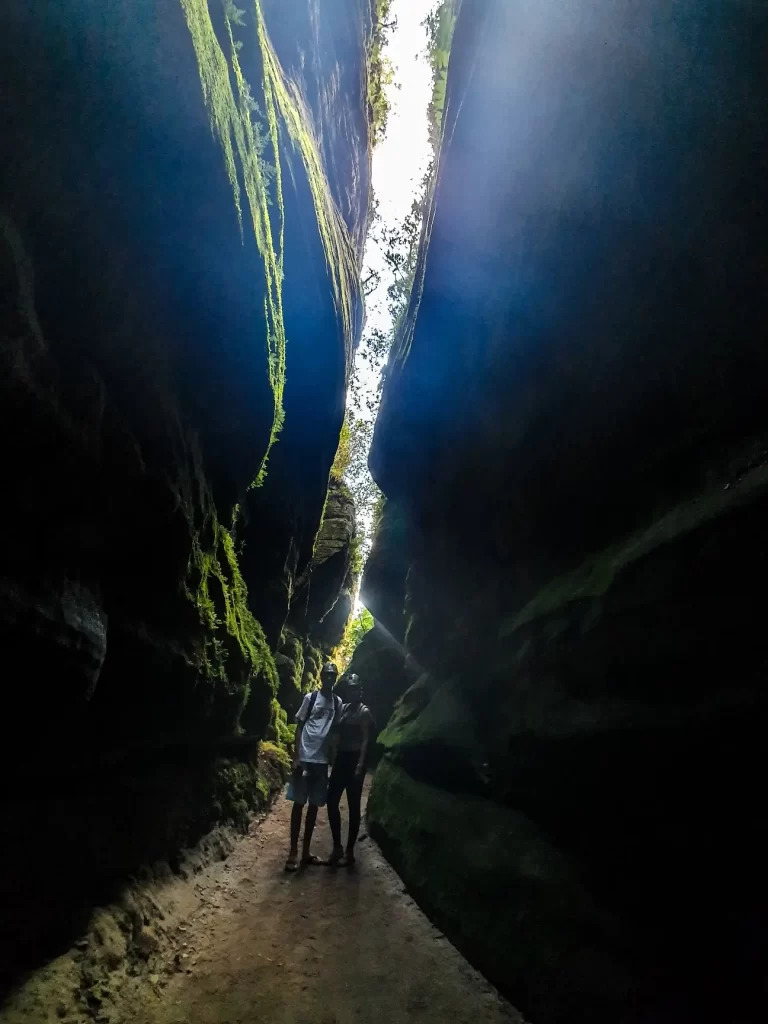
x=381 y=658
x=180 y=234
x=574 y=430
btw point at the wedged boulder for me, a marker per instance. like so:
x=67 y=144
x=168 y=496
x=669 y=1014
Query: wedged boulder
x=334 y=539
x=322 y=598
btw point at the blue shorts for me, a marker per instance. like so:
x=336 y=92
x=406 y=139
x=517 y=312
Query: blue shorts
x=312 y=788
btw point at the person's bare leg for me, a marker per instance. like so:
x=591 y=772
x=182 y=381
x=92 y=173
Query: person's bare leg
x=335 y=790
x=354 y=799
x=354 y=802
x=309 y=828
x=293 y=855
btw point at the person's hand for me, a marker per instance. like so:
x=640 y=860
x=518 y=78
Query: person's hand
x=358 y=771
x=296 y=765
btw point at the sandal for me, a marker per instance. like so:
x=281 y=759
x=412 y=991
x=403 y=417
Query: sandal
x=347 y=861
x=311 y=861
x=336 y=857
x=292 y=864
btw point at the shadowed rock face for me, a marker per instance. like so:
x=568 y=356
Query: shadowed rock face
x=383 y=584
x=380 y=662
x=574 y=428
x=178 y=281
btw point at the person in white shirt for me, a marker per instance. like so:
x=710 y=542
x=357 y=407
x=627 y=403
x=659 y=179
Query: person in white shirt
x=309 y=781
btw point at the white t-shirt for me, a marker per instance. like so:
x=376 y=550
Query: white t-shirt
x=314 y=735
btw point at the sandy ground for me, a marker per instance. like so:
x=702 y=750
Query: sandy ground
x=326 y=946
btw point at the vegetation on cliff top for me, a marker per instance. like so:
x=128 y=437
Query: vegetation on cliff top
x=357 y=627
x=399 y=244
x=405 y=245
x=440 y=25
x=350 y=468
x=380 y=70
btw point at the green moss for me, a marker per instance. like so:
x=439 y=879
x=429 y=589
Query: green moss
x=380 y=70
x=596 y=575
x=292 y=649
x=490 y=829
x=284 y=100
x=356 y=628
x=242 y=145
x=428 y=715
x=253 y=151
x=277 y=753
x=233 y=649
x=280 y=732
x=343 y=453
x=239 y=788
x=440 y=27
x=458 y=852
x=313 y=662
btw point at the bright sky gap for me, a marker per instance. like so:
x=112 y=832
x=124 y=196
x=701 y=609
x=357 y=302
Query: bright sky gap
x=401 y=158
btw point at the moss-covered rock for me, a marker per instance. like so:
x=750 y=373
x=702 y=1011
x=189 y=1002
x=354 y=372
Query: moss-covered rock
x=332 y=578
x=178 y=288
x=574 y=426
x=487 y=873
x=313 y=663
x=606 y=717
x=242 y=787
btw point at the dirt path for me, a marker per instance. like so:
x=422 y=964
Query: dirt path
x=256 y=946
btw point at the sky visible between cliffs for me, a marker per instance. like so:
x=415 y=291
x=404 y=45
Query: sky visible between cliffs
x=400 y=159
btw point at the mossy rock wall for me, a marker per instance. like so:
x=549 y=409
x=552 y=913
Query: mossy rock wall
x=178 y=290
x=574 y=428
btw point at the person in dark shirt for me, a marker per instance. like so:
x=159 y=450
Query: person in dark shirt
x=348 y=773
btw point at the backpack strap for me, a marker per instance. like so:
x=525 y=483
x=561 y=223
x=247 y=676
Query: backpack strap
x=337 y=705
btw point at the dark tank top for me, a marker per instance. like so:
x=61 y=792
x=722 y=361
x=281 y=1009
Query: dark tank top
x=351 y=726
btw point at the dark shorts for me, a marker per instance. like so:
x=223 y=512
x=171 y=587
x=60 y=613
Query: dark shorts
x=311 y=788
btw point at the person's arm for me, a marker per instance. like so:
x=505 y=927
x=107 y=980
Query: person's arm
x=297 y=746
x=333 y=735
x=366 y=727
x=301 y=717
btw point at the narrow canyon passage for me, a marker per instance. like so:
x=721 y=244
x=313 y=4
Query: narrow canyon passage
x=242 y=942
x=320 y=947
x=422 y=341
